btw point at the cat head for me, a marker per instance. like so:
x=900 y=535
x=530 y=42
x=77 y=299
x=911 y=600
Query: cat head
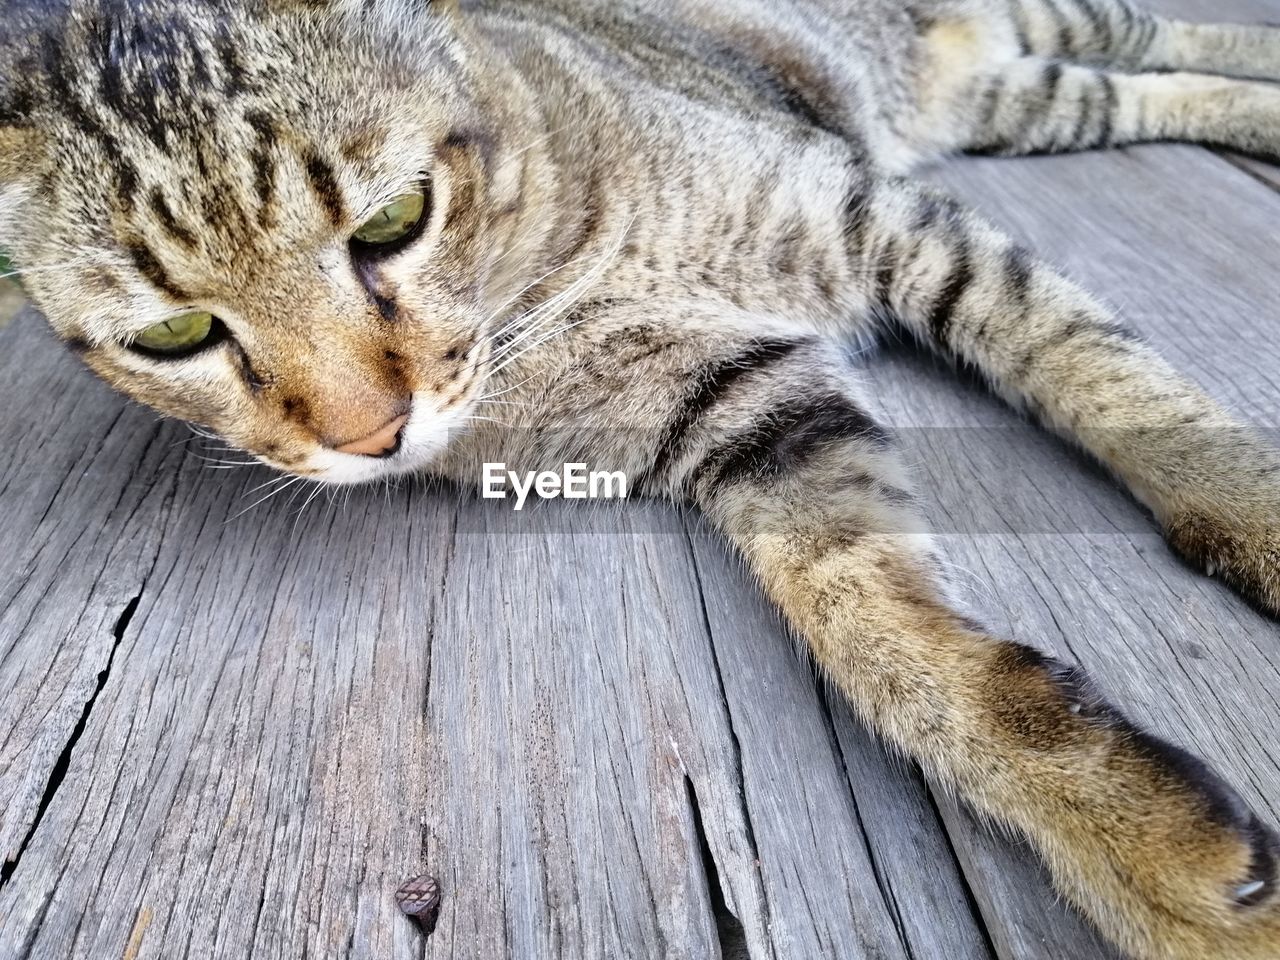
x=277 y=219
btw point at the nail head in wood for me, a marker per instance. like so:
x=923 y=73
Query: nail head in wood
x=419 y=900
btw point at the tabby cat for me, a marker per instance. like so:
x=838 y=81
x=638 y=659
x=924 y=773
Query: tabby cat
x=334 y=231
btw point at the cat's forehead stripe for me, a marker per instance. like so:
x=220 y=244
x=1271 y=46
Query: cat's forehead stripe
x=166 y=218
x=143 y=62
x=148 y=264
x=262 y=158
x=324 y=184
x=85 y=123
x=223 y=213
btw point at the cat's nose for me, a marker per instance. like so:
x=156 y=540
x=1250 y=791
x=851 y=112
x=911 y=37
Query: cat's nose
x=381 y=443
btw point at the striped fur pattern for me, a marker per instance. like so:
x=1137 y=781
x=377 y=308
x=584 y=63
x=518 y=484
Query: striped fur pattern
x=650 y=227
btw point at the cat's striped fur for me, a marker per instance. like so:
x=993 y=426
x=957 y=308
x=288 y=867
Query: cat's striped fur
x=652 y=224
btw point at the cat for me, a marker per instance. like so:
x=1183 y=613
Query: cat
x=335 y=232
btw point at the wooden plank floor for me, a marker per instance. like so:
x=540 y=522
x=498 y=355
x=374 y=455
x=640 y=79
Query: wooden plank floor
x=224 y=736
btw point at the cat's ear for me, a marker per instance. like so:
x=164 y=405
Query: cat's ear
x=19 y=138
x=406 y=7
x=410 y=7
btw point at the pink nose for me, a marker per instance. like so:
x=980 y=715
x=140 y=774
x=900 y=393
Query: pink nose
x=383 y=441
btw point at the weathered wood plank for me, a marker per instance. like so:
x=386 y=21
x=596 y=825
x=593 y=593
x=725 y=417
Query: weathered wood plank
x=572 y=711
x=300 y=713
x=46 y=486
x=254 y=772
x=868 y=813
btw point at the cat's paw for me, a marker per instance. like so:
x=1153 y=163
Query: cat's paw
x=1255 y=131
x=1208 y=893
x=1243 y=550
x=1179 y=867
x=1162 y=854
x=1211 y=893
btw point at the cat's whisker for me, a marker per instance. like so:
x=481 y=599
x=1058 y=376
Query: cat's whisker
x=202 y=455
x=294 y=496
x=516 y=321
x=500 y=423
x=269 y=483
x=549 y=312
x=552 y=334
x=264 y=499
x=319 y=488
x=545 y=315
x=529 y=286
x=201 y=432
x=588 y=276
x=224 y=464
x=506 y=328
x=504 y=392
x=569 y=298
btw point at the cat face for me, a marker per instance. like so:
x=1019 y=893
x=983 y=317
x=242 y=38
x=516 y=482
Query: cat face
x=280 y=224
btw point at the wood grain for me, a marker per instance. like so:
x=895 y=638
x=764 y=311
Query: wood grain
x=228 y=736
x=551 y=712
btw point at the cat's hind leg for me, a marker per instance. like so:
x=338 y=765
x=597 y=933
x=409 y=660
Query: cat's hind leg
x=1123 y=36
x=1033 y=105
x=1073 y=75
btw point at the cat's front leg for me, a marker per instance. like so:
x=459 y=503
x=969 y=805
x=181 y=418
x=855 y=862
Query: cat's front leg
x=1229 y=526
x=1154 y=847
x=761 y=426
x=969 y=291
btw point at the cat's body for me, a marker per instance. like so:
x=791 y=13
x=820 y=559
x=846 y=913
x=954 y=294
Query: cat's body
x=648 y=228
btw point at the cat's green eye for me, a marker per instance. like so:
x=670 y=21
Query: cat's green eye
x=394 y=222
x=176 y=335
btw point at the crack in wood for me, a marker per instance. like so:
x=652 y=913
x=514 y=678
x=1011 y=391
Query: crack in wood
x=60 y=767
x=729 y=930
x=436 y=601
x=966 y=881
x=877 y=868
x=739 y=768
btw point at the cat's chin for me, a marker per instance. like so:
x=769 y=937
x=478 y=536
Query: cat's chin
x=345 y=470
